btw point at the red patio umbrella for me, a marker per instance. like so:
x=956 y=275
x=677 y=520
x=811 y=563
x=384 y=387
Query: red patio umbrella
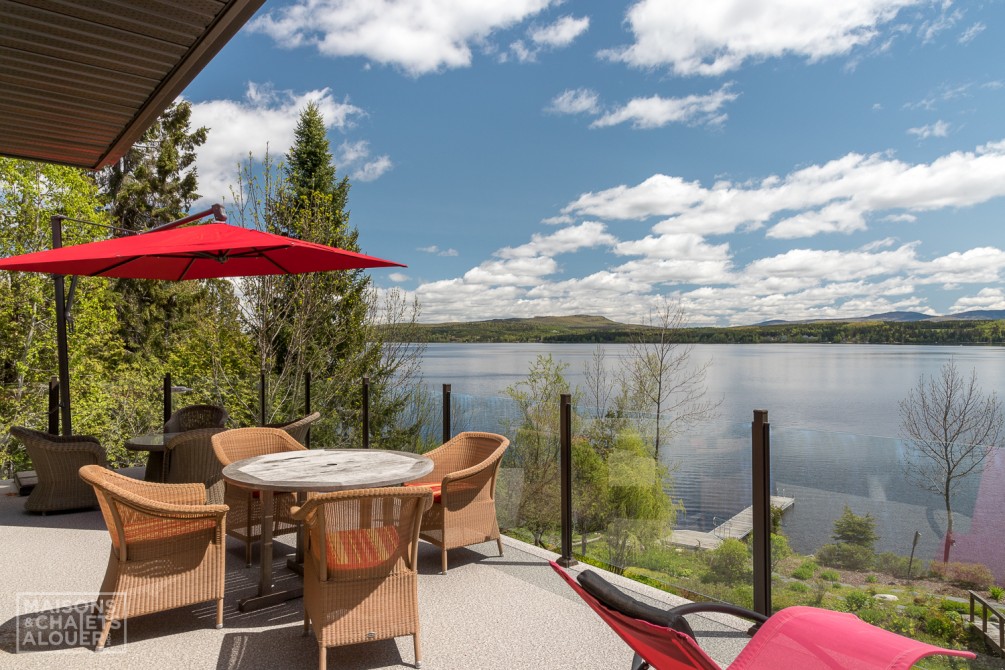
x=197 y=252
x=174 y=253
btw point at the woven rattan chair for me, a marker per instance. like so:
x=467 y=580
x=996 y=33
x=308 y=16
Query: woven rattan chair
x=245 y=518
x=360 y=580
x=189 y=458
x=168 y=547
x=194 y=417
x=464 y=486
x=298 y=429
x=56 y=461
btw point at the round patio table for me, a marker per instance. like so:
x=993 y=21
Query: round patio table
x=318 y=471
x=153 y=443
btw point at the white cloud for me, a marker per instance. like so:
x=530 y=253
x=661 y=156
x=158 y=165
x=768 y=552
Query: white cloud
x=372 y=169
x=418 y=36
x=566 y=240
x=970 y=33
x=575 y=101
x=986 y=298
x=561 y=33
x=398 y=277
x=838 y=196
x=354 y=156
x=701 y=38
x=433 y=249
x=265 y=116
x=656 y=112
x=938 y=129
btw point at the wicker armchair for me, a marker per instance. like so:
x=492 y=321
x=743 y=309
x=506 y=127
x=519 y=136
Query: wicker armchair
x=194 y=417
x=245 y=518
x=168 y=547
x=464 y=486
x=360 y=580
x=298 y=429
x=189 y=458
x=56 y=461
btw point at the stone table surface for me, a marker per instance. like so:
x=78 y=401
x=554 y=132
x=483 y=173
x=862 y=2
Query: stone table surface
x=149 y=442
x=324 y=470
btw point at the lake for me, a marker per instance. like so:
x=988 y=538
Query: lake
x=834 y=420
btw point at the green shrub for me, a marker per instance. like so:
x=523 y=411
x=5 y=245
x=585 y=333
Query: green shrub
x=829 y=576
x=896 y=566
x=728 y=563
x=856 y=600
x=851 y=528
x=953 y=606
x=798 y=587
x=975 y=576
x=846 y=556
x=805 y=571
x=996 y=592
x=871 y=579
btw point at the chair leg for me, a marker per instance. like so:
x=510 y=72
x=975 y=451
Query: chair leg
x=499 y=544
x=105 y=629
x=418 y=650
x=443 y=560
x=322 y=656
x=219 y=613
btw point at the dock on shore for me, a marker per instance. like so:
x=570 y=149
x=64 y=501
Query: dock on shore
x=737 y=527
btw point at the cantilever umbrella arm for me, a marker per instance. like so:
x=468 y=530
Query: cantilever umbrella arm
x=64 y=304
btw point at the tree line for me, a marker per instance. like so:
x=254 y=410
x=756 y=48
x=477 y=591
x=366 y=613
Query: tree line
x=214 y=336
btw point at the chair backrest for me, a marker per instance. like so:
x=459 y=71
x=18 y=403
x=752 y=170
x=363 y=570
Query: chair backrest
x=661 y=646
x=50 y=454
x=240 y=443
x=298 y=429
x=365 y=534
x=463 y=451
x=194 y=417
x=189 y=458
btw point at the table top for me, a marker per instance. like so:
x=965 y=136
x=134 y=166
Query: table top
x=149 y=442
x=325 y=470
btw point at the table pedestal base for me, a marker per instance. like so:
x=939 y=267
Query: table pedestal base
x=268 y=600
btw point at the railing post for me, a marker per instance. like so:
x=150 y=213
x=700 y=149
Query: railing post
x=366 y=412
x=565 y=465
x=62 y=347
x=54 y=405
x=446 y=413
x=307 y=405
x=261 y=398
x=761 y=472
x=167 y=396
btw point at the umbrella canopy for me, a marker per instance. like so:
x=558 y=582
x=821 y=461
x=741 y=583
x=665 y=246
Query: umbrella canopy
x=195 y=252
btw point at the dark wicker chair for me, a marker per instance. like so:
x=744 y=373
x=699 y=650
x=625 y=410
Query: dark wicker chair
x=194 y=417
x=168 y=547
x=56 y=461
x=189 y=458
x=244 y=521
x=463 y=481
x=360 y=579
x=298 y=429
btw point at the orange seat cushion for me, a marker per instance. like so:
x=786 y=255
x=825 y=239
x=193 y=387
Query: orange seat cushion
x=436 y=489
x=362 y=548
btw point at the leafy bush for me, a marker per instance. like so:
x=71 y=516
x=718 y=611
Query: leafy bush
x=846 y=556
x=975 y=576
x=856 y=600
x=798 y=587
x=805 y=571
x=896 y=566
x=829 y=576
x=728 y=563
x=996 y=592
x=954 y=606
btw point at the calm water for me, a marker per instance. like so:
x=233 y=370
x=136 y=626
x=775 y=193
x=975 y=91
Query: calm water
x=834 y=416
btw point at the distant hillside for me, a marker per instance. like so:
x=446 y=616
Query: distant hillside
x=977 y=327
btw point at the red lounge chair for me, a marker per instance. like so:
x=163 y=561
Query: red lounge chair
x=796 y=638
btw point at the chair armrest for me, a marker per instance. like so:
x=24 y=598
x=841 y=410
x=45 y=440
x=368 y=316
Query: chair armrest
x=472 y=471
x=168 y=494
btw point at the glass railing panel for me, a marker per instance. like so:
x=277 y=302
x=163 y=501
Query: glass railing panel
x=674 y=520
x=866 y=532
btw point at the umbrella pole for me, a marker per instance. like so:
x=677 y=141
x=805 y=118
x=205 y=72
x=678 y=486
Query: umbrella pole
x=62 y=348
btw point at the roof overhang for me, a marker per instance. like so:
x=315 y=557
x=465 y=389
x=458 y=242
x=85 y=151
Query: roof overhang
x=82 y=80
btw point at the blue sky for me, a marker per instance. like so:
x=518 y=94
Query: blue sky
x=757 y=159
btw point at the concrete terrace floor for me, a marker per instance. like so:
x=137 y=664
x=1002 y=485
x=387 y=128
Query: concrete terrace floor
x=488 y=612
